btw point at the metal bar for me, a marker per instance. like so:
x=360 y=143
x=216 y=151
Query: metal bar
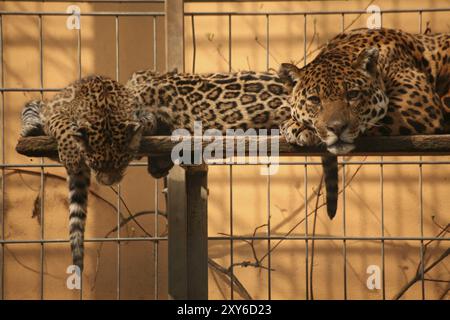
x=314 y=12
x=420 y=21
x=304 y=39
x=42 y=175
x=422 y=248
x=306 y=231
x=79 y=51
x=267 y=42
x=121 y=239
x=245 y=1
x=343 y=22
x=118 y=186
x=337 y=238
x=29 y=89
x=92 y=14
x=229 y=44
x=194 y=45
x=383 y=261
x=237 y=238
x=231 y=234
x=2 y=172
x=11 y=166
x=79 y=77
x=117 y=49
x=155 y=243
x=344 y=229
x=307 y=284
x=269 y=255
x=100 y=1
x=155 y=46
x=222 y=13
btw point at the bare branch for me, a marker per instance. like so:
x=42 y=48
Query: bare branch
x=418 y=275
x=239 y=287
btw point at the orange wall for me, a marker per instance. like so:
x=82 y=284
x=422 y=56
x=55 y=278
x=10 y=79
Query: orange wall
x=250 y=204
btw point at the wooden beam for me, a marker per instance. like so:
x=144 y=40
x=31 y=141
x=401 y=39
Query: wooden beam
x=162 y=146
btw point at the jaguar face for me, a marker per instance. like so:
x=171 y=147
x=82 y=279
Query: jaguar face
x=108 y=152
x=337 y=96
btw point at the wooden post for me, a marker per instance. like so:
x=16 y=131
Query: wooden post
x=175 y=35
x=187 y=193
x=188 y=234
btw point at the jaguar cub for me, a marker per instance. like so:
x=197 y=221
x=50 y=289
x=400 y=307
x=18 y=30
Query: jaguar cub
x=98 y=123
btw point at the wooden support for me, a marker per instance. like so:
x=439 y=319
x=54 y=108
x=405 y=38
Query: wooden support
x=187 y=195
x=188 y=233
x=174 y=35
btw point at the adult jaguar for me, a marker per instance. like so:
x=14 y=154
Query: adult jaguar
x=369 y=82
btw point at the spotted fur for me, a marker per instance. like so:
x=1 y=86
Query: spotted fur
x=221 y=101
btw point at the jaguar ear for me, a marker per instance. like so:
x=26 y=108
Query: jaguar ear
x=134 y=133
x=81 y=136
x=367 y=60
x=289 y=75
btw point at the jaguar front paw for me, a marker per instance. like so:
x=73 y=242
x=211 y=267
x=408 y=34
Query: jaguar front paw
x=298 y=134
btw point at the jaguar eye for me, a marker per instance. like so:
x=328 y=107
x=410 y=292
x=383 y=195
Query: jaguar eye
x=352 y=94
x=314 y=99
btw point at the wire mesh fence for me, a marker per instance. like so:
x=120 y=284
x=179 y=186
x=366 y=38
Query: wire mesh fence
x=262 y=258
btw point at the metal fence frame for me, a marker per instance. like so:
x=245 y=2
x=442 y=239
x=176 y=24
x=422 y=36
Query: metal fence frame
x=40 y=15
x=195 y=286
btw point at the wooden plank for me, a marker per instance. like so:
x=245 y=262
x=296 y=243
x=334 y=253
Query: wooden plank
x=174 y=35
x=162 y=146
x=188 y=235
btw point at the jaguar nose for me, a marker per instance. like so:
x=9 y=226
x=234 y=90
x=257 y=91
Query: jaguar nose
x=337 y=126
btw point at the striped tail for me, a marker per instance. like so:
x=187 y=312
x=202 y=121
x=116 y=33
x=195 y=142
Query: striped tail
x=330 y=171
x=159 y=167
x=78 y=195
x=31 y=120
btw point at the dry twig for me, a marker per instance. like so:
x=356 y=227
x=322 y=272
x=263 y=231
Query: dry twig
x=419 y=275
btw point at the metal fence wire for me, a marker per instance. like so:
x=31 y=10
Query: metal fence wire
x=302 y=164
